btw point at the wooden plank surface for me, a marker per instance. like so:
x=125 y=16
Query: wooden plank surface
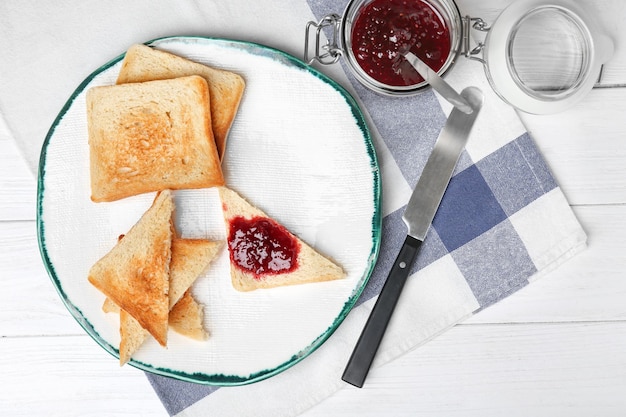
x=17 y=184
x=584 y=147
x=539 y=370
x=58 y=375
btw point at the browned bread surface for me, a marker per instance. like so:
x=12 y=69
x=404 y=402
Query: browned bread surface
x=132 y=336
x=312 y=266
x=150 y=136
x=190 y=258
x=187 y=317
x=109 y=306
x=135 y=273
x=144 y=63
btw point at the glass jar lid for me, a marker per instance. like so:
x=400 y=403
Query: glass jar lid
x=543 y=56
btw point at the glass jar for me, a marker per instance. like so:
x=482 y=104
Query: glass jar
x=539 y=56
x=371 y=34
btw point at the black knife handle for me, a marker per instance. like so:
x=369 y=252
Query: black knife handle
x=372 y=334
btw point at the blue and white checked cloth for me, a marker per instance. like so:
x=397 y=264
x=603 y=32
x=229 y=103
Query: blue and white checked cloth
x=503 y=221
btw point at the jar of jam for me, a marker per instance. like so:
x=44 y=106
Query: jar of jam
x=540 y=56
x=372 y=34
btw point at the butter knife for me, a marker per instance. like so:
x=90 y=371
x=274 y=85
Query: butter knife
x=418 y=216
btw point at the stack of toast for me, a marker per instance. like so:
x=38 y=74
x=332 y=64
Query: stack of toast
x=164 y=127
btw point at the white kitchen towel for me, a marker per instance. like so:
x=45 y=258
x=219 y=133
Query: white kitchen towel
x=502 y=223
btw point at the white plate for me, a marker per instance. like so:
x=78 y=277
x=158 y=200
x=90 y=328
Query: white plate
x=299 y=149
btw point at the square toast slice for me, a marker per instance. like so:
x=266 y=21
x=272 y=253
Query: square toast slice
x=143 y=63
x=151 y=136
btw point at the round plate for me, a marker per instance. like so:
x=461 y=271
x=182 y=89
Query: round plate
x=299 y=149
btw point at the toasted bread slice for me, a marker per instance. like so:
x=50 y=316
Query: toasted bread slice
x=297 y=264
x=143 y=63
x=132 y=336
x=109 y=306
x=135 y=273
x=190 y=258
x=150 y=136
x=187 y=317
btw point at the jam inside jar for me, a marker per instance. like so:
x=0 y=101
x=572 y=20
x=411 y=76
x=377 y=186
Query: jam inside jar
x=377 y=32
x=385 y=28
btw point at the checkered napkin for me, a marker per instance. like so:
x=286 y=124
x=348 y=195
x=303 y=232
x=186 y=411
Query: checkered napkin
x=503 y=222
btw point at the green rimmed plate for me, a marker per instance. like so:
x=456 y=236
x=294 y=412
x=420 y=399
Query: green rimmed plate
x=299 y=149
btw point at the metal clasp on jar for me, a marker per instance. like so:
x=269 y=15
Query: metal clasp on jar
x=330 y=52
x=478 y=24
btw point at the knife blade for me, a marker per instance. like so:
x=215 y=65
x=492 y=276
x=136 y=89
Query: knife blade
x=418 y=216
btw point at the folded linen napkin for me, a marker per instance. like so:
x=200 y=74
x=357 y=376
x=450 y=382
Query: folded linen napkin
x=503 y=221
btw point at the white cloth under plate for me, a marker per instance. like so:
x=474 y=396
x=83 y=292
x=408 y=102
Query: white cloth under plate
x=517 y=225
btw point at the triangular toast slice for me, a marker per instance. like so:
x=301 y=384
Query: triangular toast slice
x=188 y=261
x=264 y=254
x=135 y=273
x=143 y=63
x=187 y=316
x=132 y=336
x=190 y=257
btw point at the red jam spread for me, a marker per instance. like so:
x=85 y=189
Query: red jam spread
x=384 y=29
x=261 y=246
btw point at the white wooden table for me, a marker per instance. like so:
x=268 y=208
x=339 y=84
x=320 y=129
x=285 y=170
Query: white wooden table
x=555 y=348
